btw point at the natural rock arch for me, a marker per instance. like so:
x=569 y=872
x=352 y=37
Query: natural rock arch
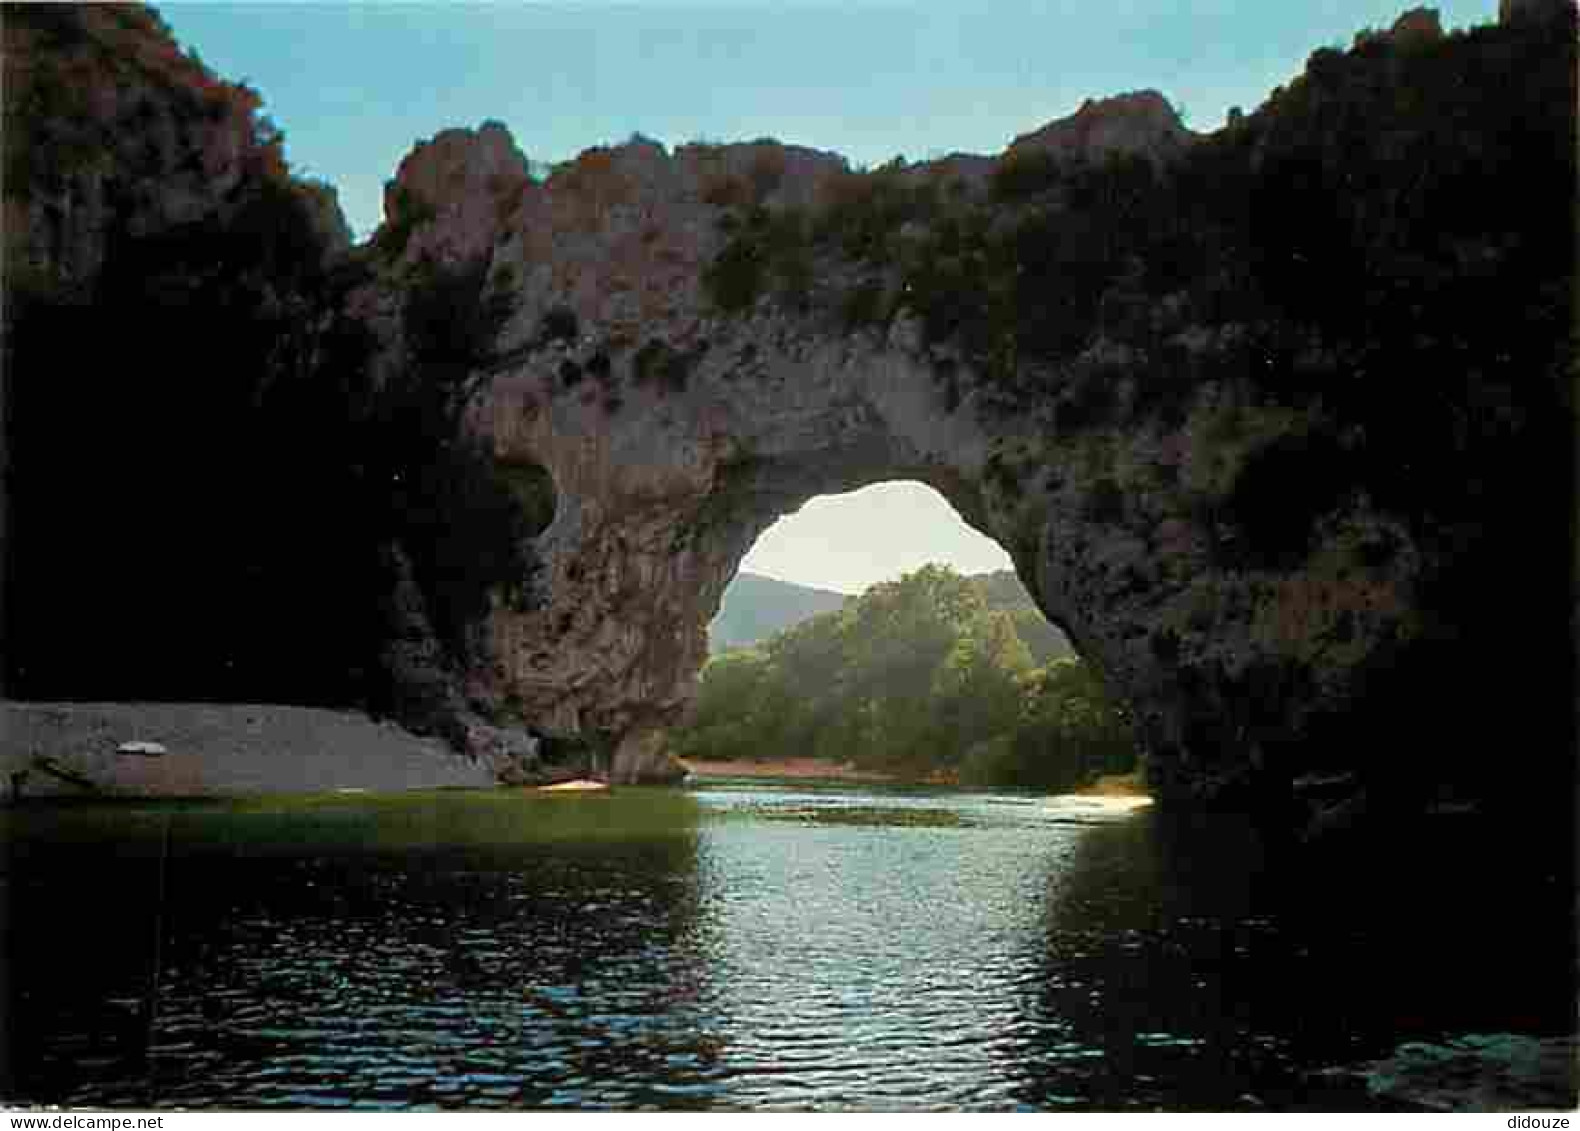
x=661 y=499
x=1131 y=433
x=674 y=434
x=679 y=410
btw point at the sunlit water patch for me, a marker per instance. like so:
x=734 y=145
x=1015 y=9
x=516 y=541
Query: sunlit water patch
x=737 y=947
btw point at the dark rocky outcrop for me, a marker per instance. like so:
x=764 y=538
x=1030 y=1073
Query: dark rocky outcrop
x=220 y=524
x=1484 y=1072
x=1552 y=12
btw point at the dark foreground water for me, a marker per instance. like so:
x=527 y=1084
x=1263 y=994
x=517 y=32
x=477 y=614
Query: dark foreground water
x=737 y=947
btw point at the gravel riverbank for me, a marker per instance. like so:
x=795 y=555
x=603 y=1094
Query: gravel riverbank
x=211 y=749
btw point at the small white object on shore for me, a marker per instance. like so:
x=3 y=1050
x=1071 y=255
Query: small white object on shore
x=579 y=785
x=145 y=749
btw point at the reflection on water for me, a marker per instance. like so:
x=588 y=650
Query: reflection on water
x=737 y=947
x=485 y=950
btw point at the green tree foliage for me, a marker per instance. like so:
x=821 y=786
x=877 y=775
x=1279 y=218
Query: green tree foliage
x=1003 y=591
x=1070 y=731
x=729 y=708
x=977 y=690
x=918 y=677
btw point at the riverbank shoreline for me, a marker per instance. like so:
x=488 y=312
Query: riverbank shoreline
x=1116 y=785
x=811 y=769
x=192 y=750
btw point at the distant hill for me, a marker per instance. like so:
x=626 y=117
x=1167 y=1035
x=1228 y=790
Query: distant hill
x=755 y=607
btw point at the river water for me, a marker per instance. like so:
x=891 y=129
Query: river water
x=739 y=947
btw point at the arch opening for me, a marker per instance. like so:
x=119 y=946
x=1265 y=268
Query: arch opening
x=848 y=541
x=875 y=631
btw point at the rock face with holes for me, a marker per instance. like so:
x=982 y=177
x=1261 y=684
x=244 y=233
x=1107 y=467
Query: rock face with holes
x=675 y=434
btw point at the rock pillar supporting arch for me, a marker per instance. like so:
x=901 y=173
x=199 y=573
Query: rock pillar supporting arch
x=660 y=501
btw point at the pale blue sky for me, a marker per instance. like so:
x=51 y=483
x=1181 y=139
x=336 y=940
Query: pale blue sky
x=848 y=542
x=355 y=85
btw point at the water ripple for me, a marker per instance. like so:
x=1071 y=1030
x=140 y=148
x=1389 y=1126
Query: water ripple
x=793 y=949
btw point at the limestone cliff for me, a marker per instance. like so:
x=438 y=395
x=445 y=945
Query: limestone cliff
x=707 y=339
x=1143 y=123
x=108 y=123
x=675 y=435
x=108 y=120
